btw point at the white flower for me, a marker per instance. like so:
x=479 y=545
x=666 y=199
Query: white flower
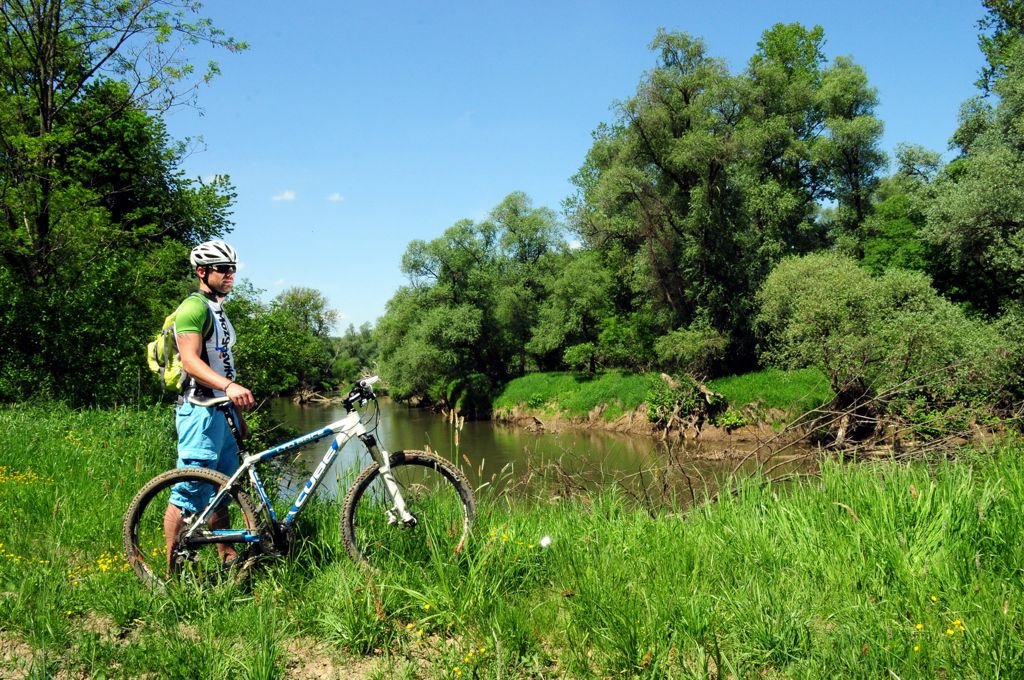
x=545 y=541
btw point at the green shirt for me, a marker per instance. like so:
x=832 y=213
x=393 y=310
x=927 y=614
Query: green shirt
x=199 y=314
x=192 y=316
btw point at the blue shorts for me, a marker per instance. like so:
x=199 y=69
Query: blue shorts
x=204 y=440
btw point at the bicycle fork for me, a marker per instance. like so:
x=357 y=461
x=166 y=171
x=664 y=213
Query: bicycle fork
x=398 y=513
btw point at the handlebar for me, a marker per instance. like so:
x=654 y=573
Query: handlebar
x=212 y=401
x=360 y=393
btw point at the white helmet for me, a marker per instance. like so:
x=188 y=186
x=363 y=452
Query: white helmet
x=213 y=252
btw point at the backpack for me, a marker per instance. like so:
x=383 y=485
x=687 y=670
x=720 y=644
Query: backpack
x=162 y=353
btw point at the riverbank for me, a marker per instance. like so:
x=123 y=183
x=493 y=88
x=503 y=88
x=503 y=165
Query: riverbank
x=636 y=423
x=755 y=407
x=868 y=571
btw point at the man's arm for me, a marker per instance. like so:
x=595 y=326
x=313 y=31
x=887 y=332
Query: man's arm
x=190 y=347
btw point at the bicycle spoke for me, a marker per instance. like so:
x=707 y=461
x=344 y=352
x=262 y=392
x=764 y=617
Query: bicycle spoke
x=437 y=496
x=157 y=558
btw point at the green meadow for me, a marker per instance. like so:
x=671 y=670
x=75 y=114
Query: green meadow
x=872 y=570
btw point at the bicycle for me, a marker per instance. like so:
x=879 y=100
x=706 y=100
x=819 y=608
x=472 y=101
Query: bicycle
x=405 y=505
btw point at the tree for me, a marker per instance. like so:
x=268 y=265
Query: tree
x=284 y=346
x=891 y=337
x=708 y=179
x=55 y=60
x=93 y=206
x=892 y=235
x=570 y=316
x=460 y=328
x=1001 y=27
x=356 y=350
x=974 y=222
x=655 y=198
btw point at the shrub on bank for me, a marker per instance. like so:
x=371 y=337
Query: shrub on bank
x=889 y=339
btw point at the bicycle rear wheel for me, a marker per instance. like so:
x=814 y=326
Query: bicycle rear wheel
x=436 y=493
x=158 y=559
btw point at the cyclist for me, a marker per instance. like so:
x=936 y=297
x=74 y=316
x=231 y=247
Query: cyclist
x=205 y=336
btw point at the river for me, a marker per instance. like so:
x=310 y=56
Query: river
x=501 y=455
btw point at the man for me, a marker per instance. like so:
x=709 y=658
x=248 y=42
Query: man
x=205 y=337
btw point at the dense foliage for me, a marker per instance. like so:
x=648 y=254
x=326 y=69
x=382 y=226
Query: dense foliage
x=463 y=325
x=889 y=340
x=721 y=222
x=284 y=346
x=96 y=213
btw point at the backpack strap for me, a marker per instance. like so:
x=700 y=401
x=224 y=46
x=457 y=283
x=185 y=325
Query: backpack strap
x=208 y=324
x=188 y=382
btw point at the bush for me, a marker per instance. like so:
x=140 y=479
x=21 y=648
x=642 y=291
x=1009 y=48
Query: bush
x=682 y=398
x=890 y=337
x=696 y=350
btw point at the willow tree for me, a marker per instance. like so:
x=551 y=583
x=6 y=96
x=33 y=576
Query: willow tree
x=707 y=179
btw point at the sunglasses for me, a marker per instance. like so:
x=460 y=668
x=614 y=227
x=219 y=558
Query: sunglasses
x=224 y=268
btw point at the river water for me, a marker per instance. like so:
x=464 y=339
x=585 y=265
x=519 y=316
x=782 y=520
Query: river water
x=502 y=455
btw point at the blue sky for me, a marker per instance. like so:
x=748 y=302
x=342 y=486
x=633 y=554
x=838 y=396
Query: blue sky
x=351 y=128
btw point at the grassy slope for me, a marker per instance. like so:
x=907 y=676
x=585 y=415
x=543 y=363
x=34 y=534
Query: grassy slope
x=575 y=395
x=868 y=570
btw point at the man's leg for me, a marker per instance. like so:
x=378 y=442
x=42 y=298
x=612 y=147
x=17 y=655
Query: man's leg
x=172 y=526
x=204 y=440
x=174 y=523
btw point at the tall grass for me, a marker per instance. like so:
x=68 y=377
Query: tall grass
x=878 y=570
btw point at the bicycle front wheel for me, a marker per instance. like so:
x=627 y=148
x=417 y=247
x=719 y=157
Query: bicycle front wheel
x=435 y=492
x=153 y=537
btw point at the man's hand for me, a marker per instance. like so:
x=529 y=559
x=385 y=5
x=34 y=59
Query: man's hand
x=240 y=396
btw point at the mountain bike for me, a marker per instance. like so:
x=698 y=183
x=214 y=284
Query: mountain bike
x=404 y=506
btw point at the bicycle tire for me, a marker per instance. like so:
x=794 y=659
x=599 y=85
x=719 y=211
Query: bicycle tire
x=437 y=494
x=146 y=547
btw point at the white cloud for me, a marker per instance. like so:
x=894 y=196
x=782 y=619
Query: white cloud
x=280 y=282
x=286 y=195
x=335 y=197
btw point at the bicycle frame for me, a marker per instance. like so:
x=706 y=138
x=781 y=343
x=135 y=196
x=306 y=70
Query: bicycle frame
x=344 y=430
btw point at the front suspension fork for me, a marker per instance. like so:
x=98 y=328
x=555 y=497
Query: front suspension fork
x=398 y=513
